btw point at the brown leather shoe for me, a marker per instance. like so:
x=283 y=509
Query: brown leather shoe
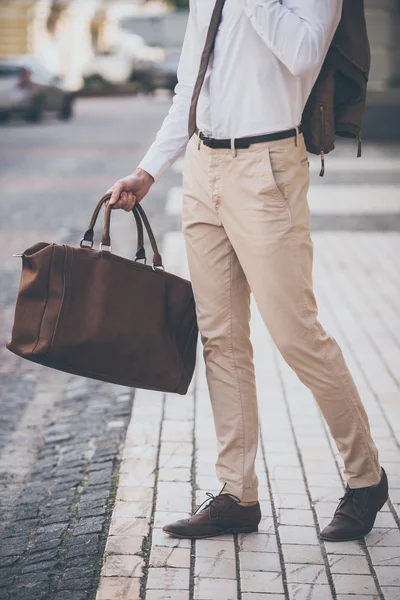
x=223 y=514
x=356 y=513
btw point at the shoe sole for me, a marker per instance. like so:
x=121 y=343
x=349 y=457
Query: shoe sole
x=226 y=531
x=357 y=537
x=349 y=539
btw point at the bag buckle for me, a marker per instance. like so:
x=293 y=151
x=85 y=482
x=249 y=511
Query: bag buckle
x=105 y=248
x=86 y=243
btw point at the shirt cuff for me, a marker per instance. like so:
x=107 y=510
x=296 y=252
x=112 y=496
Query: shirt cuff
x=155 y=163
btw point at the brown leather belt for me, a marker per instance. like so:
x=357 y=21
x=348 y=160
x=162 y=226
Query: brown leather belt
x=245 y=142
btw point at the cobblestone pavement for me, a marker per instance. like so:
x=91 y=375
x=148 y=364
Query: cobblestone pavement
x=60 y=435
x=73 y=453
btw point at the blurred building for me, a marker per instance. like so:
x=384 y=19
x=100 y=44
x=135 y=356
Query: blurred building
x=56 y=33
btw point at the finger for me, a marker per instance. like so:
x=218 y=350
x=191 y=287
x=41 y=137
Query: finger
x=131 y=201
x=116 y=192
x=118 y=204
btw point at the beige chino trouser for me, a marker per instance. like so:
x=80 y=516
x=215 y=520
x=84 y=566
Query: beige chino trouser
x=246 y=228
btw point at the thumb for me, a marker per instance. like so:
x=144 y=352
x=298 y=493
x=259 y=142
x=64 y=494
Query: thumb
x=118 y=188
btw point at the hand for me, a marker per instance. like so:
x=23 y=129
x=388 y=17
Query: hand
x=131 y=189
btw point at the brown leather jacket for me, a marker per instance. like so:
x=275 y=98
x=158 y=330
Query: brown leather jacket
x=337 y=101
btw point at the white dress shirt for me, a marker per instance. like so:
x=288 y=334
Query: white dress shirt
x=267 y=56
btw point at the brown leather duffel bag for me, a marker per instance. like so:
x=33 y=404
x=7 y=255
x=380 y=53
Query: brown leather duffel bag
x=99 y=315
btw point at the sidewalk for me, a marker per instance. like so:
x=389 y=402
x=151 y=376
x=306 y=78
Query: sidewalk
x=170 y=450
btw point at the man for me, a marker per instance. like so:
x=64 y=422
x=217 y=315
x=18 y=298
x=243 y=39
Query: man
x=246 y=227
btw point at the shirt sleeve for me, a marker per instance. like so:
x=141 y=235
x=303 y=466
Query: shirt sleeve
x=298 y=32
x=173 y=136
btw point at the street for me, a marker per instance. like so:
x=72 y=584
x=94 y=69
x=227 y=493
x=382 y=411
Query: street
x=77 y=455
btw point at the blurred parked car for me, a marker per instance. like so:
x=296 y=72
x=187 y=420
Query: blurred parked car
x=122 y=63
x=164 y=74
x=28 y=88
x=165 y=30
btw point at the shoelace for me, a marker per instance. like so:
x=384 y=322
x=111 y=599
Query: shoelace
x=349 y=493
x=215 y=501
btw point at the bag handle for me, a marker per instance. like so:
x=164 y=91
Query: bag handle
x=105 y=244
x=89 y=233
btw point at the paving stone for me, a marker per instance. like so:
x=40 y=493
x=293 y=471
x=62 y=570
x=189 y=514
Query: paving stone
x=297 y=535
x=207 y=588
x=135 y=494
x=149 y=452
x=174 y=475
x=296 y=553
x=174 y=504
x=162 y=518
x=89 y=525
x=261 y=596
x=71 y=595
x=159 y=538
x=303 y=573
x=165 y=595
x=118 y=588
x=170 y=557
x=383 y=537
x=260 y=542
x=79 y=545
x=390 y=593
x=132 y=510
x=285 y=486
x=77 y=572
x=302 y=591
x=385 y=556
x=357 y=565
x=181 y=429
x=166 y=489
x=388 y=575
x=354 y=584
x=259 y=561
x=215 y=547
x=122 y=544
x=293 y=501
x=45 y=565
x=13 y=547
x=176 y=447
x=128 y=527
x=43 y=543
x=295 y=517
x=267 y=525
x=252 y=581
x=175 y=461
x=166 y=578
x=359 y=597
x=385 y=520
x=353 y=547
x=122 y=565
x=215 y=567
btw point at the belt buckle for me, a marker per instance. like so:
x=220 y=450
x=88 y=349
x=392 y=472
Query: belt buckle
x=206 y=139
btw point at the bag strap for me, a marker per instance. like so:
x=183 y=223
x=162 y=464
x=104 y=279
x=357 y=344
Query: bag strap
x=106 y=240
x=215 y=21
x=89 y=233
